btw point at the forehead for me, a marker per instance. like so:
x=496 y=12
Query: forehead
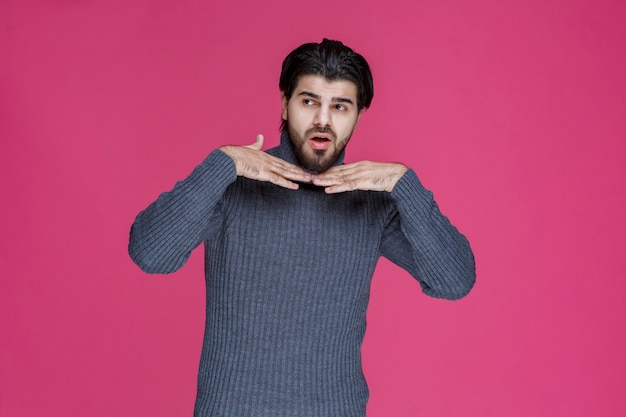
x=324 y=88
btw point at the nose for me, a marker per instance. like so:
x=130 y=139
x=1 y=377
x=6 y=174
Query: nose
x=322 y=117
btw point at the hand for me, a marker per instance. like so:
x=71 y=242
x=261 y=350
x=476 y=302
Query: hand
x=364 y=175
x=251 y=162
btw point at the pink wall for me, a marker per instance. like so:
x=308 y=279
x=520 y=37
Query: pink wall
x=513 y=112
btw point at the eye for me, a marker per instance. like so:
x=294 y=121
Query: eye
x=341 y=107
x=308 y=102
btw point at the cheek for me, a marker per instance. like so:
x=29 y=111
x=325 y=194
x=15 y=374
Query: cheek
x=298 y=119
x=346 y=130
x=292 y=113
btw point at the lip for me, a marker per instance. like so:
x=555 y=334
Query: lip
x=319 y=141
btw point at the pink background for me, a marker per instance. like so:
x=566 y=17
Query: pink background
x=513 y=112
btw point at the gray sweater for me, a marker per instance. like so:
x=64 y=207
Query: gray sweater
x=288 y=278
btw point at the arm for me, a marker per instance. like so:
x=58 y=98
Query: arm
x=164 y=234
x=424 y=242
x=418 y=237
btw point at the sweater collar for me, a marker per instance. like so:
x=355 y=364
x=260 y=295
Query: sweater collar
x=287 y=153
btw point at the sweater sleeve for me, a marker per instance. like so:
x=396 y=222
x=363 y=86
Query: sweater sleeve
x=164 y=234
x=424 y=242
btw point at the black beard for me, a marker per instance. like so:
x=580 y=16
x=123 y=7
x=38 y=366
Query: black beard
x=321 y=159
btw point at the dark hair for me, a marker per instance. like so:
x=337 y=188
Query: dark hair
x=331 y=60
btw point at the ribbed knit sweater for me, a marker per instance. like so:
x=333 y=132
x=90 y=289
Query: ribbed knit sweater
x=288 y=279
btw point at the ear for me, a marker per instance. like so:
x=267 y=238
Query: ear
x=358 y=116
x=284 y=102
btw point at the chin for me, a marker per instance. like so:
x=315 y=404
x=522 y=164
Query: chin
x=313 y=160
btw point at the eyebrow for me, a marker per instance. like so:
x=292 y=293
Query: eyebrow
x=318 y=97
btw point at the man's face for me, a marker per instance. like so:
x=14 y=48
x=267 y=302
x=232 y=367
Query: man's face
x=320 y=116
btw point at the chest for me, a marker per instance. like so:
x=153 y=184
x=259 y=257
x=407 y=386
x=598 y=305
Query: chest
x=266 y=220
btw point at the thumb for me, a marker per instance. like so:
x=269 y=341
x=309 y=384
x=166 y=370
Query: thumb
x=258 y=144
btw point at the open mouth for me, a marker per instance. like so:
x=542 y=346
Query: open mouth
x=320 y=139
x=319 y=142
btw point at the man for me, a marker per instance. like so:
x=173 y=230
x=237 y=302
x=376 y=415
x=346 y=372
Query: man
x=292 y=237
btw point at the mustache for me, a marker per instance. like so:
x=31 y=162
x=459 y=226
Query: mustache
x=317 y=129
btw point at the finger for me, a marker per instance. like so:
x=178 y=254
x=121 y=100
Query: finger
x=342 y=187
x=289 y=171
x=356 y=176
x=343 y=170
x=340 y=184
x=258 y=143
x=325 y=181
x=282 y=182
x=334 y=177
x=294 y=173
x=284 y=175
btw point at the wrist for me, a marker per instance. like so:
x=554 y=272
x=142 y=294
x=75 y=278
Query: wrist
x=398 y=172
x=231 y=152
